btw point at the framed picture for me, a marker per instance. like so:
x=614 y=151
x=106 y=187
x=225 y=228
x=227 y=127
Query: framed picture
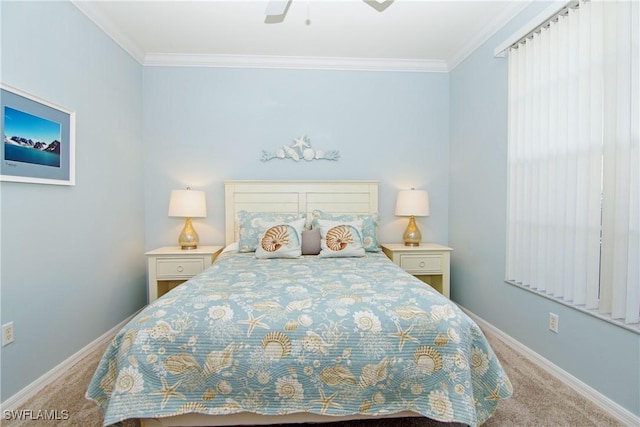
x=38 y=139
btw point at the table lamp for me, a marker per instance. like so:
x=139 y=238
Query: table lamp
x=188 y=204
x=412 y=203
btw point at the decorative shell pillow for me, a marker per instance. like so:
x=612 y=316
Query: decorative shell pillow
x=248 y=240
x=340 y=238
x=369 y=226
x=280 y=239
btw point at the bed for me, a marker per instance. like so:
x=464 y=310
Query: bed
x=266 y=336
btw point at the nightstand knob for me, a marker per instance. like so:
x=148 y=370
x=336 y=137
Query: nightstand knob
x=421 y=264
x=180 y=269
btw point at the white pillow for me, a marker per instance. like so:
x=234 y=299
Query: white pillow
x=340 y=238
x=280 y=239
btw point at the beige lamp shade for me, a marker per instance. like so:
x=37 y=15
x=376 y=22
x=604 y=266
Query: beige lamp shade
x=412 y=203
x=188 y=204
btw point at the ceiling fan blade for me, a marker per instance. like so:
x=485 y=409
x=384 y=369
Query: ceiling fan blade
x=379 y=5
x=276 y=11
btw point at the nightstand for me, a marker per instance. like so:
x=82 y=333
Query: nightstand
x=169 y=266
x=430 y=262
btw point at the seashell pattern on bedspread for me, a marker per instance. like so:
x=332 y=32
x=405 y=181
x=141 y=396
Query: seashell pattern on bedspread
x=333 y=336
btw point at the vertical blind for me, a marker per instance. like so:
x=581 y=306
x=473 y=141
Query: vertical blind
x=573 y=159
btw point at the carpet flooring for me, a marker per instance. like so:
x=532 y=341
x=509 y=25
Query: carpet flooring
x=539 y=400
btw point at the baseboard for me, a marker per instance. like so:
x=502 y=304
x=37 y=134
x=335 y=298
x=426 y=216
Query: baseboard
x=603 y=402
x=21 y=397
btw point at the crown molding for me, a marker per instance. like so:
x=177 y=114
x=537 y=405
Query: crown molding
x=293 y=62
x=489 y=31
x=251 y=61
x=106 y=25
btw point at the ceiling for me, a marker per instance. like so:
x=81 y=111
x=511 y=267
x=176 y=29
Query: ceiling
x=408 y=35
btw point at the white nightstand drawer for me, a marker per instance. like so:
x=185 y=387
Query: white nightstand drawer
x=183 y=267
x=429 y=262
x=169 y=266
x=421 y=264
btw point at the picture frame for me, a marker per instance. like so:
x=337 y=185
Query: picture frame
x=38 y=139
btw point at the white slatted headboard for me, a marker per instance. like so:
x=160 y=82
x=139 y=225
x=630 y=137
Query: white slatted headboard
x=338 y=197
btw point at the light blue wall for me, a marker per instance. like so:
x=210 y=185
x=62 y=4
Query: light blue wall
x=71 y=256
x=204 y=125
x=67 y=283
x=601 y=355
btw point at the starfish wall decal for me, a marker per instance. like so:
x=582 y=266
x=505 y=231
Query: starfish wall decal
x=300 y=149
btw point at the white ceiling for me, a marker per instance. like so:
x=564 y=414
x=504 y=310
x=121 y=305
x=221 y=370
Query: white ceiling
x=409 y=35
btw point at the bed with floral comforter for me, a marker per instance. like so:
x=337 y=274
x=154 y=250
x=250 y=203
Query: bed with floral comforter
x=332 y=336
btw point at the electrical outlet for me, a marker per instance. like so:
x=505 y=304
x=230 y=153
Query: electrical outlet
x=553 y=322
x=7 y=333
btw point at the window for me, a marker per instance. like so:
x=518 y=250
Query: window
x=573 y=160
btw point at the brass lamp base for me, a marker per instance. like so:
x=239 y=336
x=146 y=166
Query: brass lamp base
x=412 y=236
x=188 y=238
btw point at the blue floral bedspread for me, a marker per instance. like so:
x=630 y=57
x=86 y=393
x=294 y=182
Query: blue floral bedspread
x=333 y=336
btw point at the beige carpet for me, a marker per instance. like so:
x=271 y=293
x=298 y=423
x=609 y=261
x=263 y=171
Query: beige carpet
x=539 y=400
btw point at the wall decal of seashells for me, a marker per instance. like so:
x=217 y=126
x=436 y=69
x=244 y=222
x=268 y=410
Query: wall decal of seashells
x=308 y=154
x=275 y=238
x=300 y=149
x=339 y=237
